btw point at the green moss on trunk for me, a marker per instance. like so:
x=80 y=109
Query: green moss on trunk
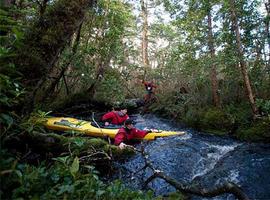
x=49 y=35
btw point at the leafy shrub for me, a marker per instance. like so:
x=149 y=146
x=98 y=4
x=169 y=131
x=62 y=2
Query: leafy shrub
x=239 y=114
x=65 y=179
x=10 y=96
x=11 y=90
x=264 y=106
x=258 y=131
x=216 y=119
x=193 y=117
x=170 y=105
x=111 y=88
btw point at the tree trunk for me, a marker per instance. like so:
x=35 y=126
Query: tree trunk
x=42 y=7
x=267 y=33
x=47 y=38
x=99 y=74
x=267 y=8
x=243 y=65
x=44 y=93
x=145 y=34
x=45 y=41
x=214 y=81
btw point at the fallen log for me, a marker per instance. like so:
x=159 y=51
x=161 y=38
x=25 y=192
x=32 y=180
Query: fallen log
x=213 y=192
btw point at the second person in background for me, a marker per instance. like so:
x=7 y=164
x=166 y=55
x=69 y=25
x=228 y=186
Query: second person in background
x=149 y=87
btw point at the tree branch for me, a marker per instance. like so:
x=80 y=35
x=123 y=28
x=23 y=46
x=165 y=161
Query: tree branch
x=217 y=190
x=191 y=189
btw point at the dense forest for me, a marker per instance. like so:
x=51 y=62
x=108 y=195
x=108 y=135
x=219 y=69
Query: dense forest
x=209 y=60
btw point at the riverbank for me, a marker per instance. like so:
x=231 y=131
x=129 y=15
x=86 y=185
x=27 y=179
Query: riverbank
x=233 y=120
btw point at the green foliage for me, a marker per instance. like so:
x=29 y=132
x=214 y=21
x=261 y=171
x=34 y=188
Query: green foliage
x=65 y=179
x=44 y=38
x=175 y=196
x=100 y=47
x=34 y=122
x=239 y=114
x=11 y=89
x=117 y=191
x=79 y=144
x=111 y=88
x=11 y=32
x=193 y=117
x=258 y=131
x=264 y=106
x=11 y=94
x=77 y=98
x=210 y=120
x=171 y=105
x=74 y=168
x=214 y=118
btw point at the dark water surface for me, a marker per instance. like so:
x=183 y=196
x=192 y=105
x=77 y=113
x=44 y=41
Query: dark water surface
x=199 y=158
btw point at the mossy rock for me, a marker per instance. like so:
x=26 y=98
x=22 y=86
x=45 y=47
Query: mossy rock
x=258 y=131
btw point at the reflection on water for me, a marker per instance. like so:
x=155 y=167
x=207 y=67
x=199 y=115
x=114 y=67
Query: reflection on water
x=200 y=158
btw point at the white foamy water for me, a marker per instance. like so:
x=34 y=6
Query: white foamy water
x=206 y=164
x=186 y=136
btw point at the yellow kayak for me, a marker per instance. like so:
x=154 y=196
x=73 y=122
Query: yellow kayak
x=68 y=124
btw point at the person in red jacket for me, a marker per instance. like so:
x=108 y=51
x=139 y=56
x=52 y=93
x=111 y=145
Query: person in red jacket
x=149 y=87
x=127 y=133
x=115 y=117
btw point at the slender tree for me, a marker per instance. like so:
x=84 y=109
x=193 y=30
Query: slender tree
x=145 y=58
x=214 y=81
x=267 y=26
x=60 y=73
x=240 y=52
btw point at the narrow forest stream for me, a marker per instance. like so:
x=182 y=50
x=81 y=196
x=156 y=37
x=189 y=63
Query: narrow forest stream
x=199 y=158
